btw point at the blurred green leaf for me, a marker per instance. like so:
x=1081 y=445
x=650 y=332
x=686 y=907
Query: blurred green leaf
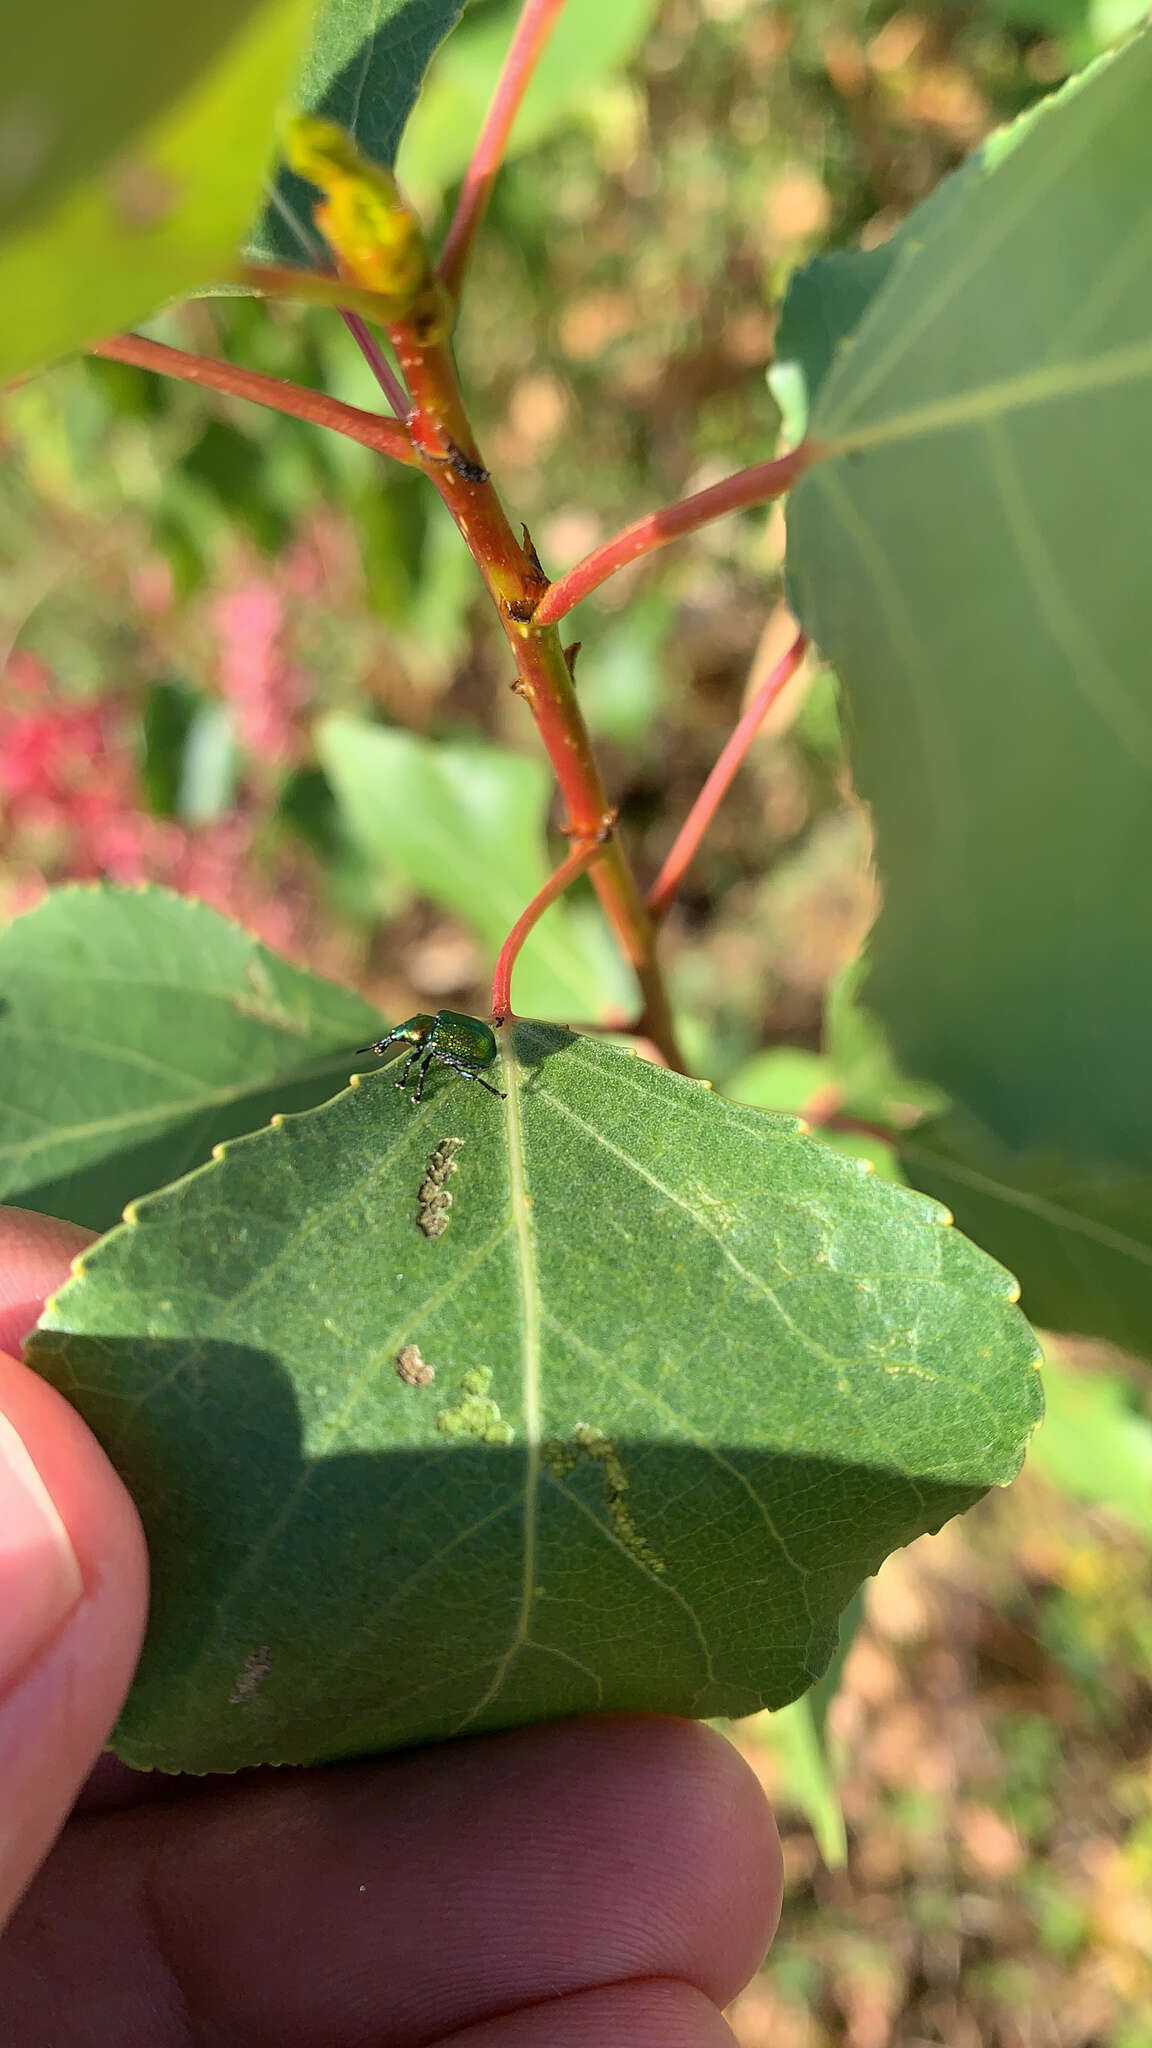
x=169 y=710
x=463 y=822
x=807 y=1782
x=623 y=673
x=970 y=556
x=788 y=1079
x=363 y=68
x=134 y=144
x=870 y=1078
x=798 y=1739
x=232 y=467
x=138 y=1029
x=590 y=42
x=1078 y=1236
x=694 y=1377
x=391 y=520
x=1095 y=1444
x=308 y=806
x=210 y=768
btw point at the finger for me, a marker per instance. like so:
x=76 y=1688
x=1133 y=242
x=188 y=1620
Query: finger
x=72 y=1604
x=36 y=1253
x=407 y=1899
x=653 y=2014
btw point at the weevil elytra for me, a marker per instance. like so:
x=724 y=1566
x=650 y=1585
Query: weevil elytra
x=449 y=1039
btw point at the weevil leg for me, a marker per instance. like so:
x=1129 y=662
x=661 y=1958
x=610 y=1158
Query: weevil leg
x=429 y=1056
x=409 y=1063
x=470 y=1074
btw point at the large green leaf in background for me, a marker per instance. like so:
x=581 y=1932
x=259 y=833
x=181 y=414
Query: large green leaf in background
x=137 y=1029
x=463 y=822
x=363 y=69
x=591 y=42
x=1096 y=1443
x=134 y=142
x=1080 y=1232
x=971 y=555
x=694 y=1376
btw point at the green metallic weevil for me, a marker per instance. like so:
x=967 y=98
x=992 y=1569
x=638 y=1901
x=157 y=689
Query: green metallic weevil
x=448 y=1038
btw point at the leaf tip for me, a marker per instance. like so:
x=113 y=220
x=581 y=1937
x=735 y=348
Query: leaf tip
x=219 y=1152
x=354 y=1080
x=130 y=1213
x=276 y=1122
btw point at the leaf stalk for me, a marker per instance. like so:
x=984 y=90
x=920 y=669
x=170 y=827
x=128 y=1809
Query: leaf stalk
x=687 y=841
x=532 y=32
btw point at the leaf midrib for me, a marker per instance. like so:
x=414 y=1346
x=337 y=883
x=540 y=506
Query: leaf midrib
x=984 y=402
x=527 y=1272
x=1034 y=186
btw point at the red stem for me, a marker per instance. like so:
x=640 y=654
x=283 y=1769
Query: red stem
x=378 y=363
x=386 y=437
x=748 y=487
x=533 y=30
x=719 y=781
x=580 y=858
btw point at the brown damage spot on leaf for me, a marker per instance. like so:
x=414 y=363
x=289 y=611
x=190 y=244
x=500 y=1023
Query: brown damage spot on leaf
x=257 y=1664
x=588 y=1442
x=433 y=1200
x=412 y=1368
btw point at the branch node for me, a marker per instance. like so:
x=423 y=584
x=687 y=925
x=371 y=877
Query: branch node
x=472 y=472
x=605 y=830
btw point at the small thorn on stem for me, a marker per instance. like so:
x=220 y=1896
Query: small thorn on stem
x=570 y=653
x=533 y=557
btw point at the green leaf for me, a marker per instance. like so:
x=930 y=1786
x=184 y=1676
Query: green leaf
x=807 y=1781
x=363 y=69
x=136 y=1031
x=134 y=149
x=971 y=558
x=869 y=1076
x=787 y=1079
x=1095 y=1444
x=1078 y=1236
x=590 y=43
x=798 y=1739
x=694 y=1376
x=462 y=821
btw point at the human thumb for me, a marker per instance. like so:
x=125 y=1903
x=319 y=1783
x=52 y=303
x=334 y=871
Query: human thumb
x=73 y=1588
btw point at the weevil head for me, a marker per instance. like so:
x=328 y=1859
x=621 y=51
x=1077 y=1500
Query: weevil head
x=414 y=1030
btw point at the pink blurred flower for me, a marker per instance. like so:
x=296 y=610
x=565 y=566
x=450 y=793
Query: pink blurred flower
x=256 y=677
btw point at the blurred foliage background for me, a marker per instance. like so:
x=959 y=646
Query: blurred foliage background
x=203 y=607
